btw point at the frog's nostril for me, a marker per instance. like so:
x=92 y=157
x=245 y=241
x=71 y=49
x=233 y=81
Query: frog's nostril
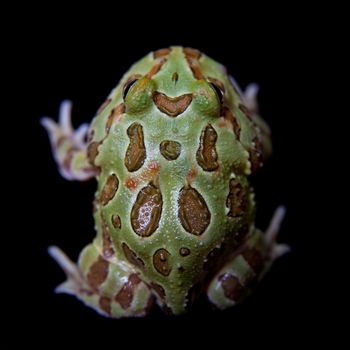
x=175 y=77
x=172 y=106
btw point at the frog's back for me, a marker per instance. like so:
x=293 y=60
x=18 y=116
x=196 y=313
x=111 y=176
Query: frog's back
x=173 y=145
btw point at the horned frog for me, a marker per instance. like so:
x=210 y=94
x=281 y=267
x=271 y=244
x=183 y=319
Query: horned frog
x=172 y=149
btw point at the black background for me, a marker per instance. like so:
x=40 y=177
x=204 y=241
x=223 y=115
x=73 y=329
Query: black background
x=62 y=54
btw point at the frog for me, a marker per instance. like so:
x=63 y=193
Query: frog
x=173 y=149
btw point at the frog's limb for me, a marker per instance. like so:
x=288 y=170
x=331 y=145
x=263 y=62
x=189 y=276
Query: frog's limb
x=68 y=145
x=248 y=264
x=111 y=287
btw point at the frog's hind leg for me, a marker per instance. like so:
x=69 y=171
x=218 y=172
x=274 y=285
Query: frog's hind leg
x=247 y=265
x=113 y=289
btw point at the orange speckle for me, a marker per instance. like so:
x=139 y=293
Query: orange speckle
x=154 y=166
x=223 y=123
x=191 y=174
x=130 y=183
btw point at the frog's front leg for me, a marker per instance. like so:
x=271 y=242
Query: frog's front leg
x=112 y=288
x=247 y=265
x=69 y=147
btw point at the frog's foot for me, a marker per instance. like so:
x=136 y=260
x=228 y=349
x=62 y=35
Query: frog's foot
x=75 y=282
x=69 y=146
x=110 y=287
x=247 y=265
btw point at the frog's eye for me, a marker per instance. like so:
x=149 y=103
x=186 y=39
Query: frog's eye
x=218 y=88
x=128 y=85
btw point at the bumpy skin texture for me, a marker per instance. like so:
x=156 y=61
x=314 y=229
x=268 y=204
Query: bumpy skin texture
x=172 y=148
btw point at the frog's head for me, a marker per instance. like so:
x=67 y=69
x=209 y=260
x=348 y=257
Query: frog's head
x=175 y=78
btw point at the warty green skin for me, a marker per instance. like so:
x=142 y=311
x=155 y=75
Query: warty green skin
x=234 y=161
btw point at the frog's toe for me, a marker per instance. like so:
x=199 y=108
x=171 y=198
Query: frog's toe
x=65 y=121
x=75 y=281
x=250 y=97
x=275 y=249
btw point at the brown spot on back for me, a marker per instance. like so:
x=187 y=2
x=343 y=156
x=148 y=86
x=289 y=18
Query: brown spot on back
x=192 y=53
x=97 y=273
x=116 y=221
x=207 y=156
x=126 y=293
x=136 y=152
x=105 y=304
x=156 y=68
x=107 y=245
x=132 y=256
x=170 y=150
x=172 y=106
x=192 y=56
x=193 y=211
x=233 y=122
x=92 y=152
x=237 y=199
x=109 y=189
x=161 y=262
x=159 y=290
x=161 y=53
x=233 y=289
x=255 y=259
x=184 y=251
x=146 y=212
x=103 y=106
x=114 y=116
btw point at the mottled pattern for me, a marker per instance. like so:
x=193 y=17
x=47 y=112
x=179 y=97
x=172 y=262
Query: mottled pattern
x=233 y=289
x=146 y=212
x=233 y=121
x=185 y=251
x=207 y=156
x=125 y=295
x=98 y=273
x=109 y=189
x=171 y=148
x=114 y=116
x=192 y=56
x=92 y=152
x=237 y=199
x=107 y=245
x=161 y=262
x=136 y=152
x=105 y=304
x=132 y=257
x=193 y=211
x=116 y=221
